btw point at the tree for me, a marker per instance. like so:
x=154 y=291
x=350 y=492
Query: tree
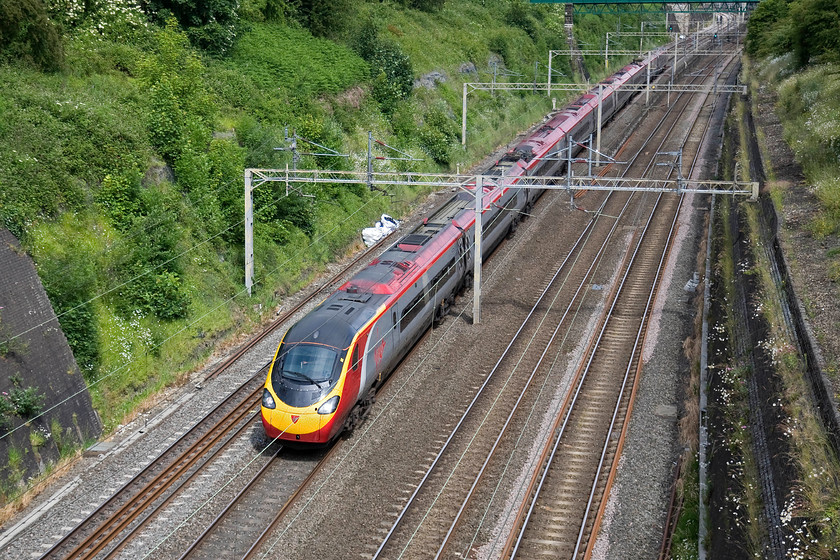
x=27 y=33
x=324 y=18
x=427 y=5
x=765 y=21
x=210 y=25
x=816 y=30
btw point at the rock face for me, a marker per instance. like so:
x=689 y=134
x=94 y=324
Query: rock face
x=467 y=68
x=430 y=80
x=35 y=358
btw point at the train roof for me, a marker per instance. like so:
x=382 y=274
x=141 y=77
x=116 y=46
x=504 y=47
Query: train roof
x=334 y=322
x=402 y=263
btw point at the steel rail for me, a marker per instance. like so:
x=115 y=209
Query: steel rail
x=479 y=392
x=613 y=471
x=639 y=335
x=567 y=405
x=152 y=508
x=582 y=284
x=156 y=469
x=545 y=460
x=570 y=305
x=97 y=542
x=174 y=454
x=440 y=453
x=236 y=500
x=618 y=405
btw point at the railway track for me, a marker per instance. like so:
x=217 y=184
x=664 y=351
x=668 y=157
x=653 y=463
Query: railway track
x=108 y=528
x=563 y=507
x=453 y=479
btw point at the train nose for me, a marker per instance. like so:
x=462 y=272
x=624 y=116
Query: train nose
x=289 y=425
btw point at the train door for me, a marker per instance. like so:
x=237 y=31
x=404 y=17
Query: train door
x=380 y=348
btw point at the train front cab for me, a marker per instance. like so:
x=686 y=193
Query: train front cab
x=312 y=383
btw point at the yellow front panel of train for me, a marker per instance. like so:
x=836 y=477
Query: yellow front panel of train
x=294 y=422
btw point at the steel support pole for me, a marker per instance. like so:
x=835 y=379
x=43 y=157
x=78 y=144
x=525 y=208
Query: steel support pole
x=548 y=86
x=647 y=89
x=674 y=66
x=249 y=232
x=569 y=142
x=479 y=203
x=641 y=38
x=607 y=53
x=536 y=68
x=464 y=117
x=370 y=160
x=598 y=136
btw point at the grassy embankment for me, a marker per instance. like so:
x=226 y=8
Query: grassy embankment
x=810 y=114
x=122 y=172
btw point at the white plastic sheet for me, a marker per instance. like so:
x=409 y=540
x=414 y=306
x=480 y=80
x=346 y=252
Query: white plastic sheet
x=383 y=228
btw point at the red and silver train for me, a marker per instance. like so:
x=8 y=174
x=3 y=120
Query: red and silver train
x=328 y=366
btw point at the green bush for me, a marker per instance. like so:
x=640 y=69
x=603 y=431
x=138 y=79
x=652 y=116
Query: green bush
x=147 y=263
x=390 y=67
x=324 y=18
x=521 y=14
x=79 y=326
x=68 y=272
x=762 y=27
x=211 y=26
x=435 y=143
x=180 y=111
x=427 y=5
x=24 y=402
x=119 y=197
x=161 y=294
x=292 y=59
x=27 y=33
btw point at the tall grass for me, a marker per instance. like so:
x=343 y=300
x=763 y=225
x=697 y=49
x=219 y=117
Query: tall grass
x=809 y=107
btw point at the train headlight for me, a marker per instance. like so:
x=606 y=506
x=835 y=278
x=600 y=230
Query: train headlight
x=267 y=399
x=329 y=406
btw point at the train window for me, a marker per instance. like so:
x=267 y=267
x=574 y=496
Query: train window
x=354 y=361
x=444 y=275
x=414 y=307
x=308 y=363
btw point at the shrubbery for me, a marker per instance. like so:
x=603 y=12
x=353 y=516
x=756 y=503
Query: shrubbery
x=19 y=401
x=27 y=33
x=809 y=28
x=391 y=71
x=211 y=26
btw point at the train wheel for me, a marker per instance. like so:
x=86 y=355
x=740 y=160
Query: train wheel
x=513 y=225
x=360 y=412
x=526 y=212
x=441 y=311
x=465 y=284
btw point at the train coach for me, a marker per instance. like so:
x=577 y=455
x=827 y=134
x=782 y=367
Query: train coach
x=326 y=369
